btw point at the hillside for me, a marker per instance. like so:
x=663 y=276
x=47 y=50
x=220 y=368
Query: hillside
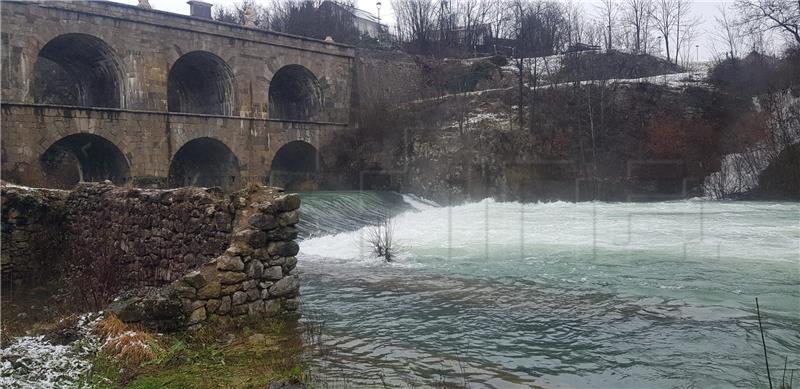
x=645 y=130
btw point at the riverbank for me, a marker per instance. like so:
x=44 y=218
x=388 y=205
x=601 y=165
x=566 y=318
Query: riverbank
x=98 y=351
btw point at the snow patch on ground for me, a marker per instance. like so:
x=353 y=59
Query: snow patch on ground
x=479 y=118
x=35 y=362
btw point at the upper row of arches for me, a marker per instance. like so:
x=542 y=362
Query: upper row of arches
x=82 y=70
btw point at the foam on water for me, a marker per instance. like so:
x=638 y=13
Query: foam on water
x=561 y=294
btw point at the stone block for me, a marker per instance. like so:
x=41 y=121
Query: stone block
x=224 y=305
x=255 y=269
x=228 y=263
x=210 y=291
x=263 y=221
x=231 y=277
x=230 y=289
x=273 y=273
x=197 y=316
x=287 y=286
x=212 y=305
x=239 y=298
x=288 y=218
x=283 y=249
x=253 y=294
x=288 y=202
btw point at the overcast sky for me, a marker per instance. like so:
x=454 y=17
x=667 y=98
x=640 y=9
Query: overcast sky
x=706 y=9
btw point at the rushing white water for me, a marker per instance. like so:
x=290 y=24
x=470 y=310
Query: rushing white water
x=561 y=294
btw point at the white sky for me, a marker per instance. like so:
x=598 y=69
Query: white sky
x=706 y=9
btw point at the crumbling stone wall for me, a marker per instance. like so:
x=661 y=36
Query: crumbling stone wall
x=30 y=237
x=253 y=276
x=185 y=256
x=156 y=235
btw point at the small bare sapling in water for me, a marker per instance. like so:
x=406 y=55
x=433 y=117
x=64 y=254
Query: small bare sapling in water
x=381 y=238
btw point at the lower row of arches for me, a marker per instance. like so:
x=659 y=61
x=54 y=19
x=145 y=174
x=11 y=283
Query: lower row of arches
x=202 y=162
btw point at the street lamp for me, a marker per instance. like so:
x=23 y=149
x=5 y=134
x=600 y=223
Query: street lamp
x=378 y=5
x=697 y=51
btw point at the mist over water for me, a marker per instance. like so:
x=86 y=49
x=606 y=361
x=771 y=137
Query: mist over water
x=553 y=295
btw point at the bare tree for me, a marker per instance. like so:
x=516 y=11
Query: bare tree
x=416 y=23
x=636 y=14
x=685 y=26
x=609 y=13
x=727 y=31
x=771 y=15
x=234 y=12
x=664 y=16
x=574 y=27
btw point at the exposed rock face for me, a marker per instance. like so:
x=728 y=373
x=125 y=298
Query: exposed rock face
x=186 y=256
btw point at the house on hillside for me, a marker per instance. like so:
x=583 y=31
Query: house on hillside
x=366 y=23
x=477 y=38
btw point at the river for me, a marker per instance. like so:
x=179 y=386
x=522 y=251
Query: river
x=601 y=295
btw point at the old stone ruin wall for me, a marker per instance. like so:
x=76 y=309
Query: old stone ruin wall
x=30 y=236
x=184 y=256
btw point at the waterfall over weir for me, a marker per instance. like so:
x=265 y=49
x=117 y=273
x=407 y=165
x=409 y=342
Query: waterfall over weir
x=559 y=294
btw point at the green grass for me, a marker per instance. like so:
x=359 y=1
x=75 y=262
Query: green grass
x=225 y=356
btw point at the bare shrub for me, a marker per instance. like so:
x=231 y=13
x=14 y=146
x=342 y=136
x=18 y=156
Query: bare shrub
x=381 y=238
x=94 y=275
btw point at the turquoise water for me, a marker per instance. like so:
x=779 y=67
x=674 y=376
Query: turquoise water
x=610 y=295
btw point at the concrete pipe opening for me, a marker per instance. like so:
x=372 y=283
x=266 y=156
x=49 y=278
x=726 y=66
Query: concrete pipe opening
x=294 y=94
x=78 y=70
x=205 y=162
x=296 y=166
x=201 y=82
x=83 y=157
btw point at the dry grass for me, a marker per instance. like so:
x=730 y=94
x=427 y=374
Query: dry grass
x=131 y=347
x=110 y=326
x=125 y=343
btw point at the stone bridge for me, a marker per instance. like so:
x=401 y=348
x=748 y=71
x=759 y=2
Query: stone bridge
x=98 y=90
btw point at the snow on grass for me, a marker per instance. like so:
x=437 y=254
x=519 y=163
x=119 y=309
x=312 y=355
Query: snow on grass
x=36 y=362
x=479 y=118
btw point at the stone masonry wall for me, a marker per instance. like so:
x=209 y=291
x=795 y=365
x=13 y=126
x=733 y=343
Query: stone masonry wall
x=185 y=256
x=253 y=276
x=30 y=238
x=154 y=235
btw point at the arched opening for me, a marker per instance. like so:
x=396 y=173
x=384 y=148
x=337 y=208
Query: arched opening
x=205 y=162
x=78 y=70
x=295 y=167
x=294 y=94
x=201 y=82
x=83 y=157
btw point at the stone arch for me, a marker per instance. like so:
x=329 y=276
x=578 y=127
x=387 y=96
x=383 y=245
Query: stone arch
x=83 y=157
x=294 y=94
x=204 y=162
x=201 y=82
x=78 y=70
x=296 y=166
